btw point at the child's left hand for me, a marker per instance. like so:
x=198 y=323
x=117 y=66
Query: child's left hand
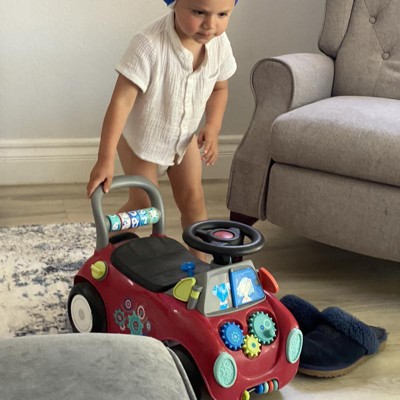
x=208 y=138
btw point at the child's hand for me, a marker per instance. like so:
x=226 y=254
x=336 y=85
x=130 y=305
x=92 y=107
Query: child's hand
x=102 y=172
x=208 y=137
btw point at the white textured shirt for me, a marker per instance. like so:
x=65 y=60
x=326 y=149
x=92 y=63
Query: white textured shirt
x=172 y=97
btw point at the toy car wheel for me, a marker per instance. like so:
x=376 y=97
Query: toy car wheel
x=86 y=309
x=191 y=369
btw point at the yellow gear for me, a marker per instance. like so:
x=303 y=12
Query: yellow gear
x=251 y=346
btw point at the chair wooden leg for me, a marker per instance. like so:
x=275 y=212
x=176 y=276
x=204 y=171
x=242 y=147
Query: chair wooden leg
x=244 y=219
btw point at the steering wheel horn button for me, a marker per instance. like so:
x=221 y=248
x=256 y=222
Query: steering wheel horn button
x=222 y=234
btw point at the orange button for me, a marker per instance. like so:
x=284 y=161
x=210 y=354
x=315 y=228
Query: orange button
x=267 y=280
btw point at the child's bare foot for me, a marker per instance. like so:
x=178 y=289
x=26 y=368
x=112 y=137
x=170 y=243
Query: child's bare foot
x=200 y=255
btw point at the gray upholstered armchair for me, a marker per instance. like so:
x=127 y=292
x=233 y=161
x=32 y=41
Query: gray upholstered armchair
x=321 y=156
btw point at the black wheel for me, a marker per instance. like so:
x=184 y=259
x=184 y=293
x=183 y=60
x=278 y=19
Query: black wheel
x=191 y=369
x=86 y=309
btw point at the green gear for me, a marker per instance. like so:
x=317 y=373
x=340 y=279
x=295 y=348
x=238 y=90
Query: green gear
x=262 y=326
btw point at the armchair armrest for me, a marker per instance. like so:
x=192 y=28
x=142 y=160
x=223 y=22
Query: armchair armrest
x=290 y=81
x=279 y=84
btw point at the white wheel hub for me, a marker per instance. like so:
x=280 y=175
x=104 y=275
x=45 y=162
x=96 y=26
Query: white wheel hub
x=81 y=314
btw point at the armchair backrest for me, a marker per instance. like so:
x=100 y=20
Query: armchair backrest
x=363 y=36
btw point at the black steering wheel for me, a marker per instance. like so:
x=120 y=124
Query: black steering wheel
x=223 y=238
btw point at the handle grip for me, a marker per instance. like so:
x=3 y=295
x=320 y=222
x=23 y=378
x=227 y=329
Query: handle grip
x=121 y=182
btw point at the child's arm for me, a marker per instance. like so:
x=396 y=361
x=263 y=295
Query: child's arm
x=215 y=109
x=122 y=101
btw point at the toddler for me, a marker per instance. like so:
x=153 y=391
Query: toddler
x=172 y=73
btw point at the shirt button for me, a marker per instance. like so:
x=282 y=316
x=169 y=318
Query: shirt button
x=372 y=20
x=385 y=56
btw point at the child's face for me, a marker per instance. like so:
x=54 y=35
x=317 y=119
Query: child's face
x=202 y=20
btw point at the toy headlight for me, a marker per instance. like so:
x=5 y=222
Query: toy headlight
x=225 y=370
x=294 y=345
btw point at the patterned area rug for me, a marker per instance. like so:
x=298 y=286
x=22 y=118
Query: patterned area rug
x=37 y=266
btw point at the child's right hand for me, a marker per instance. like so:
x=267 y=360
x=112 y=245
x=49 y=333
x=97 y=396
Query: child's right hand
x=102 y=172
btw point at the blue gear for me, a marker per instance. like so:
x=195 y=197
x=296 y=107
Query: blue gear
x=232 y=336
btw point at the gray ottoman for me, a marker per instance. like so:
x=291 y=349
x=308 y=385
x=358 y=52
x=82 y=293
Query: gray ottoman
x=90 y=367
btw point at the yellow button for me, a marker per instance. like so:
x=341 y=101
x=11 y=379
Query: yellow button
x=98 y=270
x=245 y=395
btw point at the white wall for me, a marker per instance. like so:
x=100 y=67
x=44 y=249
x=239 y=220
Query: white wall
x=57 y=59
x=265 y=28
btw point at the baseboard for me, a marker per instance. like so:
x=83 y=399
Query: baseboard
x=44 y=161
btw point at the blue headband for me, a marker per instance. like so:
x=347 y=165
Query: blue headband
x=171 y=2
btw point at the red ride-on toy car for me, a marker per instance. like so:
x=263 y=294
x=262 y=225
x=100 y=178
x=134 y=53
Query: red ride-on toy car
x=221 y=319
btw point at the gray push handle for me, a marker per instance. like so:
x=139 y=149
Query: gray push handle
x=121 y=182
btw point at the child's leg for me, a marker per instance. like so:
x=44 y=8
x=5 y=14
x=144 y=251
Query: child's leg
x=133 y=165
x=187 y=188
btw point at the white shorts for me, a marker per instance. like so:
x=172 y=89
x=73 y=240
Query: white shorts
x=162 y=170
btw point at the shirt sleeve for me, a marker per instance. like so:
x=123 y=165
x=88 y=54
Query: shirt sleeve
x=135 y=63
x=228 y=62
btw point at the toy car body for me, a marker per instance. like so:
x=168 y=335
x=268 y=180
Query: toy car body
x=221 y=318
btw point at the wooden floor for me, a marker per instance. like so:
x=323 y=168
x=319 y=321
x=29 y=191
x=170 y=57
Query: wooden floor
x=367 y=288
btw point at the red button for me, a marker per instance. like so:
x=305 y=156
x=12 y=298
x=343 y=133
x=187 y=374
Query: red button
x=223 y=234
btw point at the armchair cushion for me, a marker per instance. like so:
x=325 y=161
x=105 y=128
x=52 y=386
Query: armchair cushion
x=368 y=61
x=346 y=135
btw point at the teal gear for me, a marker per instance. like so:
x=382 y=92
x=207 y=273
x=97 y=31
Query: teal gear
x=232 y=335
x=119 y=318
x=135 y=325
x=263 y=327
